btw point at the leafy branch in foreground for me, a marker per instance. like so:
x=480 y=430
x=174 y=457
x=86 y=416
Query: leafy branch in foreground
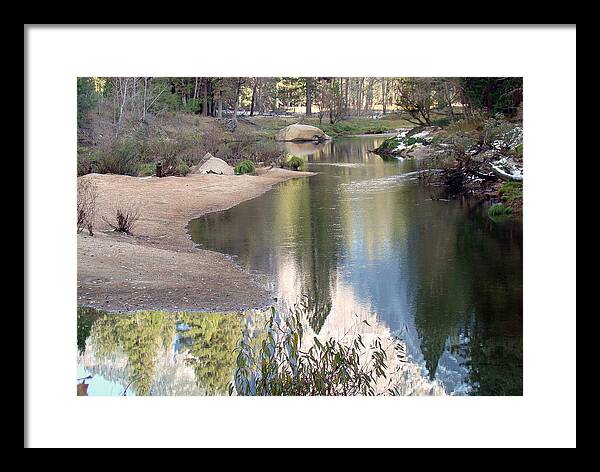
x=282 y=366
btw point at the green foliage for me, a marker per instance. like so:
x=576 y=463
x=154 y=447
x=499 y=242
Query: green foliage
x=511 y=191
x=499 y=210
x=245 y=167
x=122 y=157
x=146 y=169
x=294 y=162
x=182 y=168
x=86 y=98
x=357 y=125
x=283 y=366
x=389 y=144
x=140 y=336
x=441 y=122
x=411 y=141
x=211 y=340
x=194 y=105
x=494 y=94
x=518 y=151
x=84 y=164
x=86 y=317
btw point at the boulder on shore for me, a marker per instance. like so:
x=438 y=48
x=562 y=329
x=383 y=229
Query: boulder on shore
x=298 y=132
x=214 y=165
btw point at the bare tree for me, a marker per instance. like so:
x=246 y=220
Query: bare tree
x=415 y=96
x=87 y=194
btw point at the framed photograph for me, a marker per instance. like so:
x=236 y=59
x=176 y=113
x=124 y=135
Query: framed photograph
x=259 y=219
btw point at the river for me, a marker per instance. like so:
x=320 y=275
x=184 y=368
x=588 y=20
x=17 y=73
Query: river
x=362 y=238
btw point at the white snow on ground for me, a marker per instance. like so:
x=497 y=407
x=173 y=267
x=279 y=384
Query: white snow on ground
x=422 y=134
x=508 y=168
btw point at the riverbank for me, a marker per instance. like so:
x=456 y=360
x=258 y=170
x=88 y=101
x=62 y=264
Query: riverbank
x=157 y=266
x=482 y=159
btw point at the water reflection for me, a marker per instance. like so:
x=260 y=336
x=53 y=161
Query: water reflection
x=161 y=353
x=363 y=237
x=157 y=353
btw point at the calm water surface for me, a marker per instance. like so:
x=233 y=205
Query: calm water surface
x=360 y=240
x=364 y=237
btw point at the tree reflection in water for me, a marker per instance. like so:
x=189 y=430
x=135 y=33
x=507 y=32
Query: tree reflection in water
x=148 y=342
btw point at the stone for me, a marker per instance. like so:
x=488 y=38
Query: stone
x=299 y=132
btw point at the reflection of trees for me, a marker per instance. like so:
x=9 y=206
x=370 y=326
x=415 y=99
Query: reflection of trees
x=307 y=217
x=140 y=336
x=493 y=254
x=86 y=317
x=211 y=342
x=469 y=281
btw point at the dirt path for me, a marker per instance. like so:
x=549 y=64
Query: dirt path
x=158 y=266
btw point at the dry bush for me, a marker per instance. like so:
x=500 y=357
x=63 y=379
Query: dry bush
x=87 y=194
x=124 y=218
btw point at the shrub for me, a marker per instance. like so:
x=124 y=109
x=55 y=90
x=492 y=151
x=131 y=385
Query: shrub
x=125 y=217
x=283 y=366
x=87 y=193
x=182 y=168
x=441 y=122
x=389 y=144
x=84 y=165
x=167 y=151
x=499 y=210
x=245 y=167
x=119 y=158
x=146 y=169
x=294 y=163
x=501 y=134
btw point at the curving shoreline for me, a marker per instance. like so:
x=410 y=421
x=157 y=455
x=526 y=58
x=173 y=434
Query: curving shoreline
x=158 y=267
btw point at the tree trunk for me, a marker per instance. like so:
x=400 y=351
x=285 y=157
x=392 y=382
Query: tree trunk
x=346 y=96
x=253 y=96
x=309 y=87
x=144 y=104
x=384 y=94
x=237 y=99
x=205 y=99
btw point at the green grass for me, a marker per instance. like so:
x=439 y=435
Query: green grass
x=359 y=125
x=268 y=126
x=511 y=191
x=499 y=210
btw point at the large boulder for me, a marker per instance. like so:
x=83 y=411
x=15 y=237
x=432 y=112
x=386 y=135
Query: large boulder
x=214 y=165
x=298 y=132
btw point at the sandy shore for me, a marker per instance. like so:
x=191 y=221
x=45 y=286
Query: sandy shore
x=158 y=267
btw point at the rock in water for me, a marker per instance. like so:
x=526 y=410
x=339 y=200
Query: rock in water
x=298 y=132
x=214 y=165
